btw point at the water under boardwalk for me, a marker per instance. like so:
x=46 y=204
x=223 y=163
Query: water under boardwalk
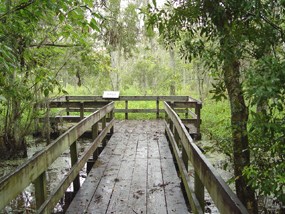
x=135 y=173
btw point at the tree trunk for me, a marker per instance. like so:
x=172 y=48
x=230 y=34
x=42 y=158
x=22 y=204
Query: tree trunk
x=239 y=118
x=13 y=144
x=172 y=67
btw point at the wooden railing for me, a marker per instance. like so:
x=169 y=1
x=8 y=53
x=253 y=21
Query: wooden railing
x=75 y=103
x=205 y=176
x=185 y=105
x=35 y=169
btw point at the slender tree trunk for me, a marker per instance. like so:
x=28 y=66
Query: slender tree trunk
x=172 y=67
x=113 y=66
x=239 y=119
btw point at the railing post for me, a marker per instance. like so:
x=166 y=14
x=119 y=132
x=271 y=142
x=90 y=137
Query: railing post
x=198 y=113
x=81 y=110
x=126 y=108
x=74 y=159
x=199 y=191
x=157 y=108
x=40 y=189
x=186 y=113
x=176 y=137
x=67 y=108
x=171 y=126
x=103 y=127
x=185 y=157
x=111 y=118
x=95 y=131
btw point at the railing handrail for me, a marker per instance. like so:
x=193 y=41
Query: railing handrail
x=127 y=98
x=223 y=197
x=14 y=183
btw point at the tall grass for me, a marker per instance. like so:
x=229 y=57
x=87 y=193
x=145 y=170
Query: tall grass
x=216 y=124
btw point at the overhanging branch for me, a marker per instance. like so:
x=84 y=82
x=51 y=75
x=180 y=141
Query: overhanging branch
x=54 y=45
x=17 y=8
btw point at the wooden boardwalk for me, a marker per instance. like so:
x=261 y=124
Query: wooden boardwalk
x=135 y=173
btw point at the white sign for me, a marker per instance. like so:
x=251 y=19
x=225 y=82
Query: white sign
x=111 y=94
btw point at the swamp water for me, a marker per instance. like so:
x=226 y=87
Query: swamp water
x=25 y=202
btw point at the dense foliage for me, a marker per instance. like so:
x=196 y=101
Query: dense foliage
x=33 y=35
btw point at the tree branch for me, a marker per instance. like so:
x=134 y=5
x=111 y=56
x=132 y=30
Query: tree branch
x=273 y=25
x=17 y=8
x=54 y=45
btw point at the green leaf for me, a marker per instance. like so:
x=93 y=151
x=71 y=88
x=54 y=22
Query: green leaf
x=46 y=92
x=2 y=98
x=97 y=15
x=94 y=25
x=154 y=3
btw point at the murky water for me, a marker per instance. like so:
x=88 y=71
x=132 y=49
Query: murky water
x=25 y=202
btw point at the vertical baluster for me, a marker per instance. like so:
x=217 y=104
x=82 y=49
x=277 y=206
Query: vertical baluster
x=103 y=127
x=126 y=108
x=185 y=158
x=40 y=189
x=199 y=191
x=74 y=159
x=67 y=107
x=81 y=110
x=171 y=126
x=198 y=121
x=111 y=118
x=157 y=108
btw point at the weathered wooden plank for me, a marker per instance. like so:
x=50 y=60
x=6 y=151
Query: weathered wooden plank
x=155 y=196
x=174 y=198
x=133 y=98
x=103 y=193
x=120 y=195
x=184 y=104
x=105 y=190
x=138 y=191
x=165 y=152
x=142 y=147
x=83 y=198
x=77 y=104
x=153 y=150
x=143 y=110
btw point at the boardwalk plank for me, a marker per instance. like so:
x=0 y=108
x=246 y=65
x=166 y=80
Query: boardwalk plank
x=101 y=198
x=155 y=196
x=137 y=196
x=135 y=173
x=174 y=198
x=119 y=200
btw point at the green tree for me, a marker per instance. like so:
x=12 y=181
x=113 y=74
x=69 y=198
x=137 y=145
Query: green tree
x=121 y=35
x=26 y=28
x=265 y=84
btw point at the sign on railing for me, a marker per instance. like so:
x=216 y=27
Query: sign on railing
x=111 y=95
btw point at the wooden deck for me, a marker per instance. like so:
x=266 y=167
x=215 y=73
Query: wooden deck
x=135 y=173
